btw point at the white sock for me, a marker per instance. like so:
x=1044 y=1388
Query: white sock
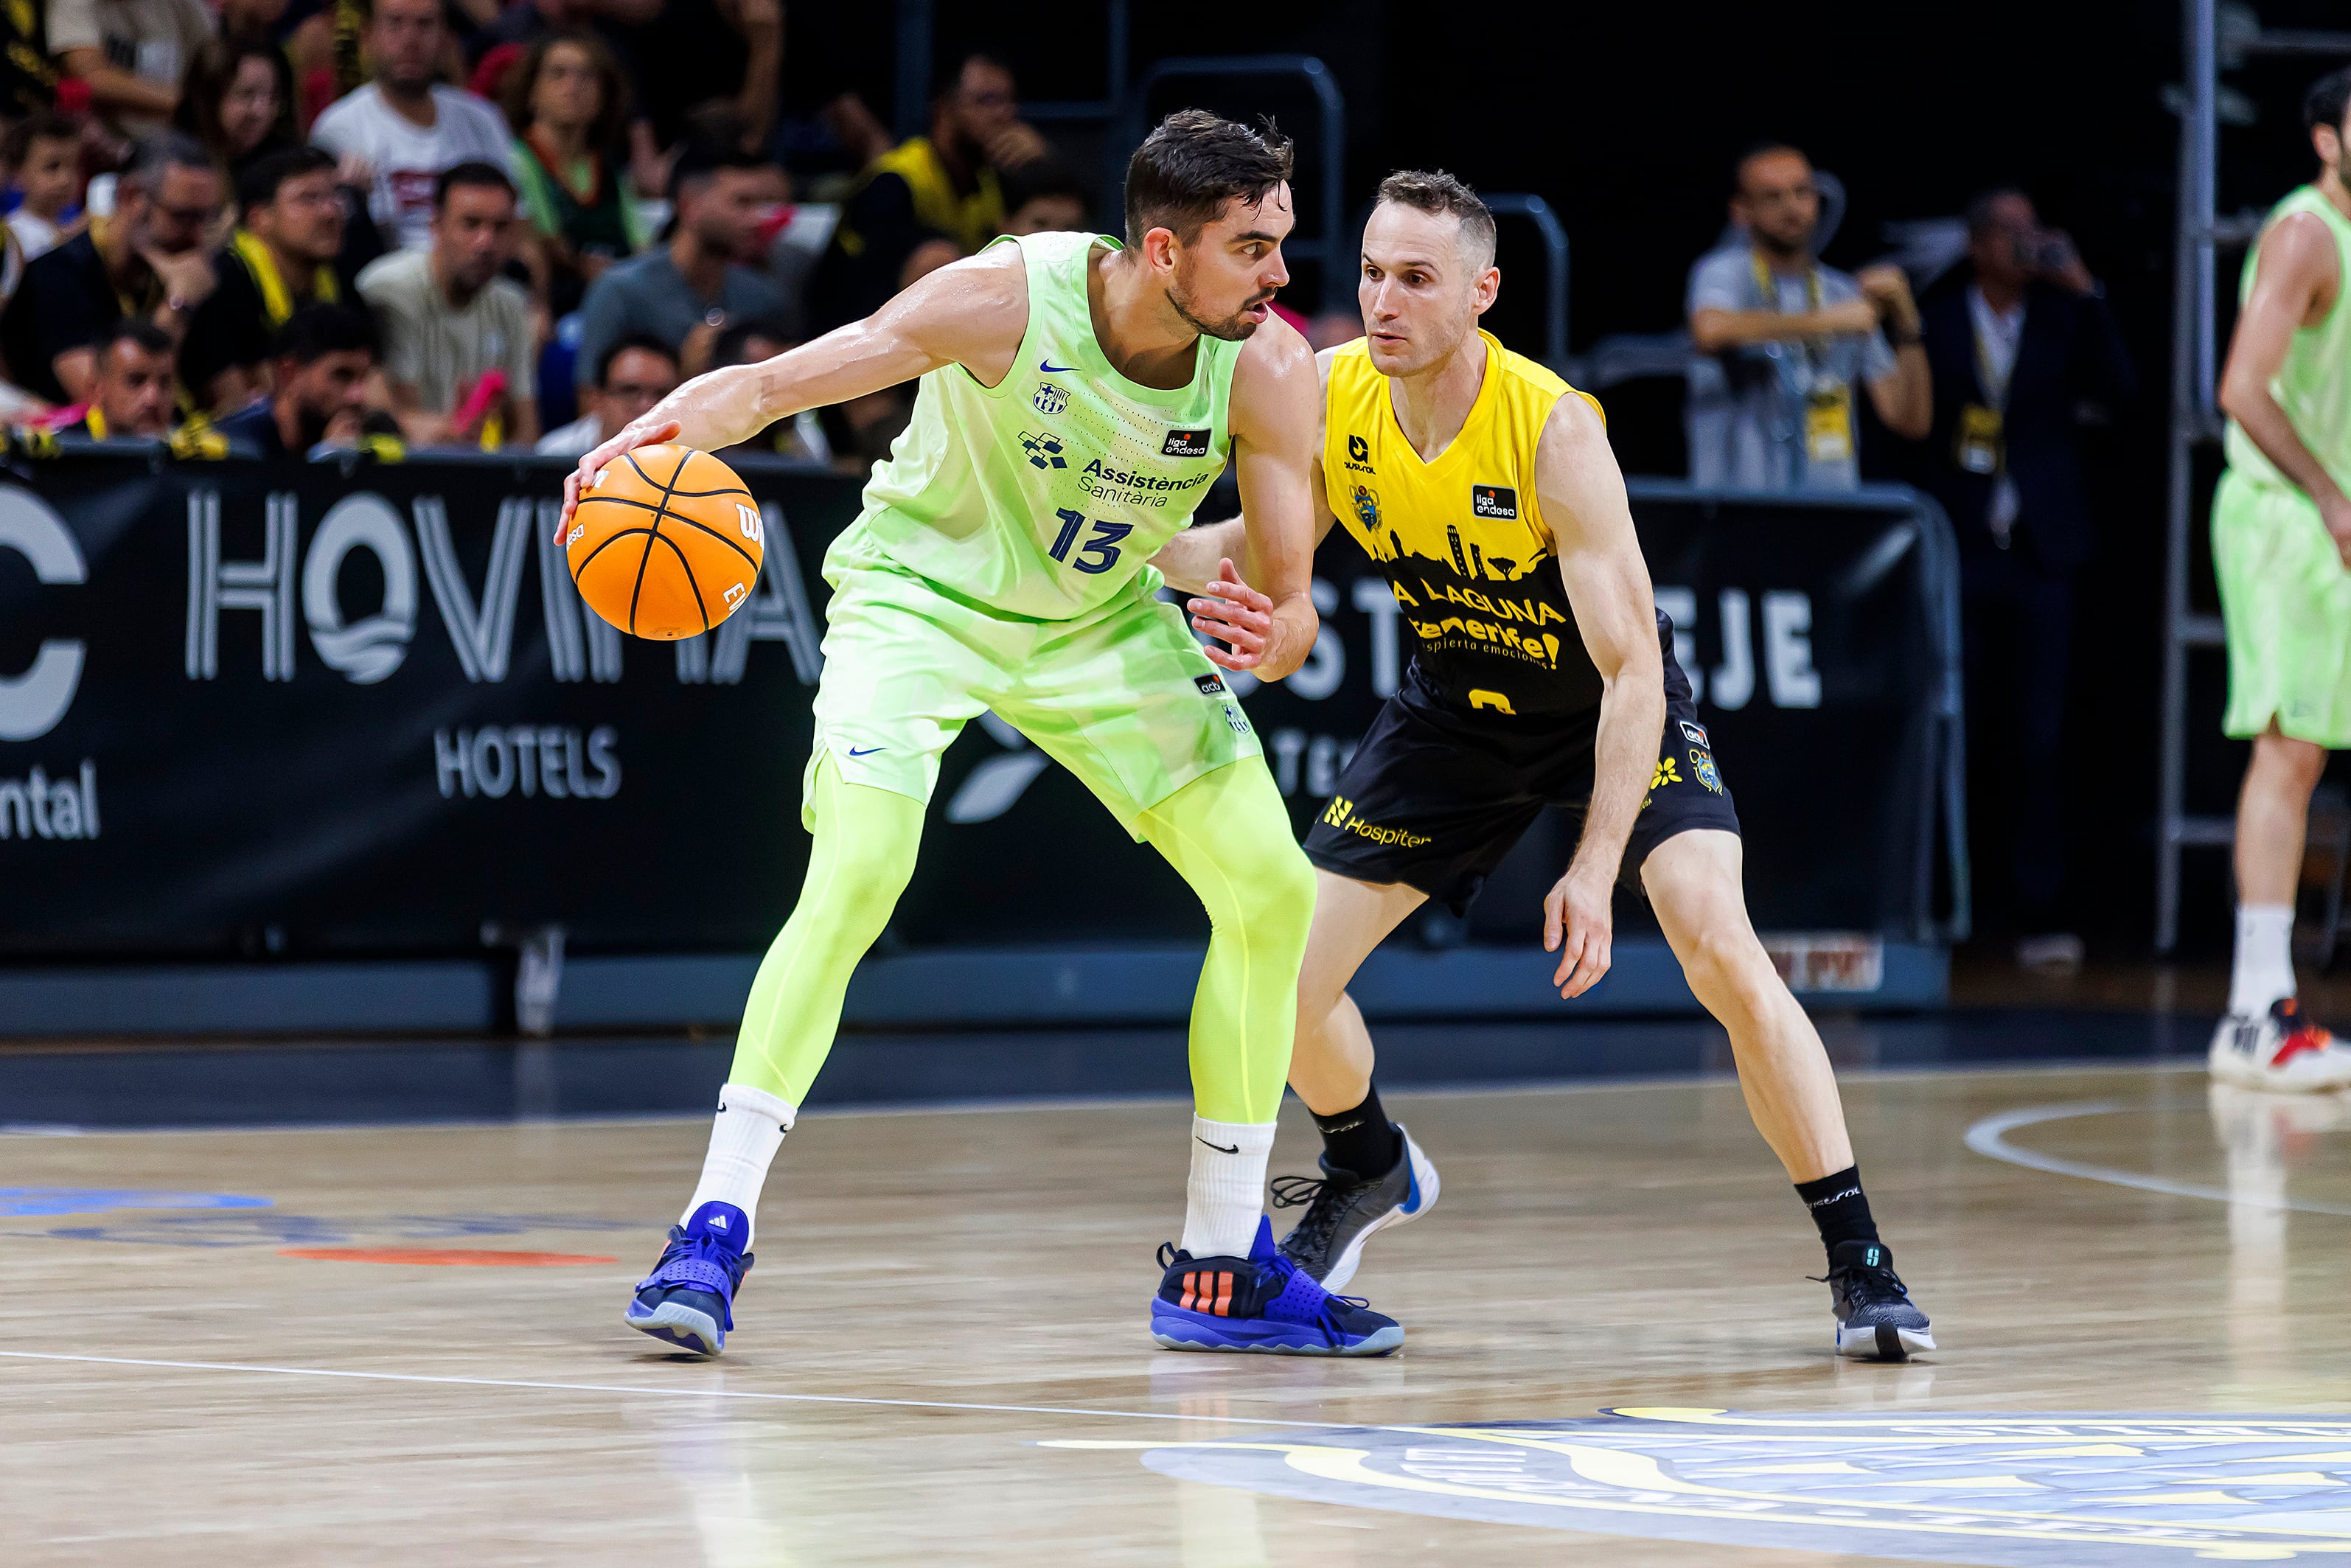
x=2264 y=970
x=1227 y=1191
x=750 y=1128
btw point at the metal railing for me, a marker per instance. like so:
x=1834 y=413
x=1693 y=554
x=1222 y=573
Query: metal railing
x=1536 y=211
x=2195 y=414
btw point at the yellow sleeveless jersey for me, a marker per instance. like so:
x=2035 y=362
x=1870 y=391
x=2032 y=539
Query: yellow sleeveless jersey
x=1461 y=540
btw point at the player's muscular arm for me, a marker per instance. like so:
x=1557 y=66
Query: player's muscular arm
x=2294 y=285
x=972 y=313
x=1275 y=414
x=1582 y=496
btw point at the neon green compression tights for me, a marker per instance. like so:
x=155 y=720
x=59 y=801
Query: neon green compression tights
x=1226 y=833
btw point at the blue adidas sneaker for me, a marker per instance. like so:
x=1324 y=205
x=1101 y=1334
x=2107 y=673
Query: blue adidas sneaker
x=688 y=1300
x=1264 y=1303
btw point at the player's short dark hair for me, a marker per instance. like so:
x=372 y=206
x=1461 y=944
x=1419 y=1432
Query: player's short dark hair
x=1764 y=148
x=17 y=145
x=258 y=186
x=645 y=342
x=1436 y=192
x=313 y=332
x=2327 y=101
x=1191 y=163
x=472 y=171
x=136 y=330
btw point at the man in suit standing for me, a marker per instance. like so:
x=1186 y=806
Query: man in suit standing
x=2015 y=354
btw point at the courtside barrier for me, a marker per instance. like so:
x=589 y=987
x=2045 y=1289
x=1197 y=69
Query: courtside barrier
x=344 y=714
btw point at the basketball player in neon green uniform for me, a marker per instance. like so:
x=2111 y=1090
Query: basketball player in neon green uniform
x=1077 y=398
x=2281 y=549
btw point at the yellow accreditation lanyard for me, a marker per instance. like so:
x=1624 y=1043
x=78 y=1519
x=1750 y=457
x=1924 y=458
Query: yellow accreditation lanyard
x=1828 y=401
x=1979 y=444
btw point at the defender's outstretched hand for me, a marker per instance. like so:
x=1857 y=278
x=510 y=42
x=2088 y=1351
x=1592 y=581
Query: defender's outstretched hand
x=1236 y=614
x=635 y=433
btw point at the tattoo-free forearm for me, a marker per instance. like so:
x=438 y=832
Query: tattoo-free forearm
x=1295 y=624
x=2259 y=415
x=1632 y=718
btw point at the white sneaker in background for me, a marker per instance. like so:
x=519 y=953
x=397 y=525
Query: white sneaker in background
x=2280 y=1052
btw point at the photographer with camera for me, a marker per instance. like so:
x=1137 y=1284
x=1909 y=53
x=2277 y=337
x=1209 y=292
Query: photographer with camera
x=2018 y=354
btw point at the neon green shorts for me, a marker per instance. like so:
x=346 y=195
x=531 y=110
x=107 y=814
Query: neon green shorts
x=1121 y=696
x=2285 y=601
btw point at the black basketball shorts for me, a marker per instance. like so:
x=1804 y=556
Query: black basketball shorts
x=1435 y=797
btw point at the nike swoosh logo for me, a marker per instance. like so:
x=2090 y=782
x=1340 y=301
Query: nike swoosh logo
x=1049 y=368
x=1218 y=1147
x=868 y=751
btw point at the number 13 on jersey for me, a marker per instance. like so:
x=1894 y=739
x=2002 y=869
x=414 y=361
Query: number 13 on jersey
x=1098 y=553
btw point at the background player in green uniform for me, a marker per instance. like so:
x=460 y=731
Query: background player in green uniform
x=1076 y=398
x=2281 y=542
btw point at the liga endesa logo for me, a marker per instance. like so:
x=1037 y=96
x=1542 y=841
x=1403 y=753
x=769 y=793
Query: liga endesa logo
x=2035 y=1492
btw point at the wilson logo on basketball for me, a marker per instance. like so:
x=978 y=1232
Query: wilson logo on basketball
x=1494 y=501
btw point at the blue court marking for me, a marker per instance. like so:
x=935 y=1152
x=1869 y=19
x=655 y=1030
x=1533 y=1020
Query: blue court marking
x=2091 y=1490
x=23 y=1200
x=277 y=1229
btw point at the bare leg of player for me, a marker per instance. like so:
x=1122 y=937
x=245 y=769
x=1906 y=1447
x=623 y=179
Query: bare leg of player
x=2266 y=1042
x=1331 y=1065
x=1694 y=882
x=1373 y=1174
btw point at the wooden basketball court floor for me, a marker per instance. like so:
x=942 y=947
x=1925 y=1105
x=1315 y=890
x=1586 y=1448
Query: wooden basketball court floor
x=2139 y=1284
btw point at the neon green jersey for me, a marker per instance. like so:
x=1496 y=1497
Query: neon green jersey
x=2314 y=385
x=1044 y=495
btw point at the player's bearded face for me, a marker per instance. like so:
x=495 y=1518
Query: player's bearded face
x=1208 y=304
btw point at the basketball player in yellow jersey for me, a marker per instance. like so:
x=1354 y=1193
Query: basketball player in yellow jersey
x=1484 y=487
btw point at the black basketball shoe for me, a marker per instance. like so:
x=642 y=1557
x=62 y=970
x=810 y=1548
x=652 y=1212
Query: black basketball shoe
x=1876 y=1319
x=1343 y=1210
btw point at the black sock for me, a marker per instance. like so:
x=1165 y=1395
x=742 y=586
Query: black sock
x=1362 y=1139
x=1839 y=1208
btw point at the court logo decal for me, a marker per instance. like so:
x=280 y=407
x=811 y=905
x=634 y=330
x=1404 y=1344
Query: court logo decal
x=2034 y=1492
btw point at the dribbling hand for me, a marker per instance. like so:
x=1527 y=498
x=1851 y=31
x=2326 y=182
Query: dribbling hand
x=1234 y=613
x=633 y=434
x=1578 y=925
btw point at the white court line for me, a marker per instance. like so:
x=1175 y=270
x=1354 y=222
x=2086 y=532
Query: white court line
x=684 y=1392
x=1988 y=1138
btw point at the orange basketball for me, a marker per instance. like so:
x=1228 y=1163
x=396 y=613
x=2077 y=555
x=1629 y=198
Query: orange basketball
x=665 y=542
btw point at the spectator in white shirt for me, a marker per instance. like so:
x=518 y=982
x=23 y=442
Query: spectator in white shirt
x=408 y=126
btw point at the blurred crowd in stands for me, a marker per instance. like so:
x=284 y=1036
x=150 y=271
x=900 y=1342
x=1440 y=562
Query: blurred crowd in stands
x=415 y=223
